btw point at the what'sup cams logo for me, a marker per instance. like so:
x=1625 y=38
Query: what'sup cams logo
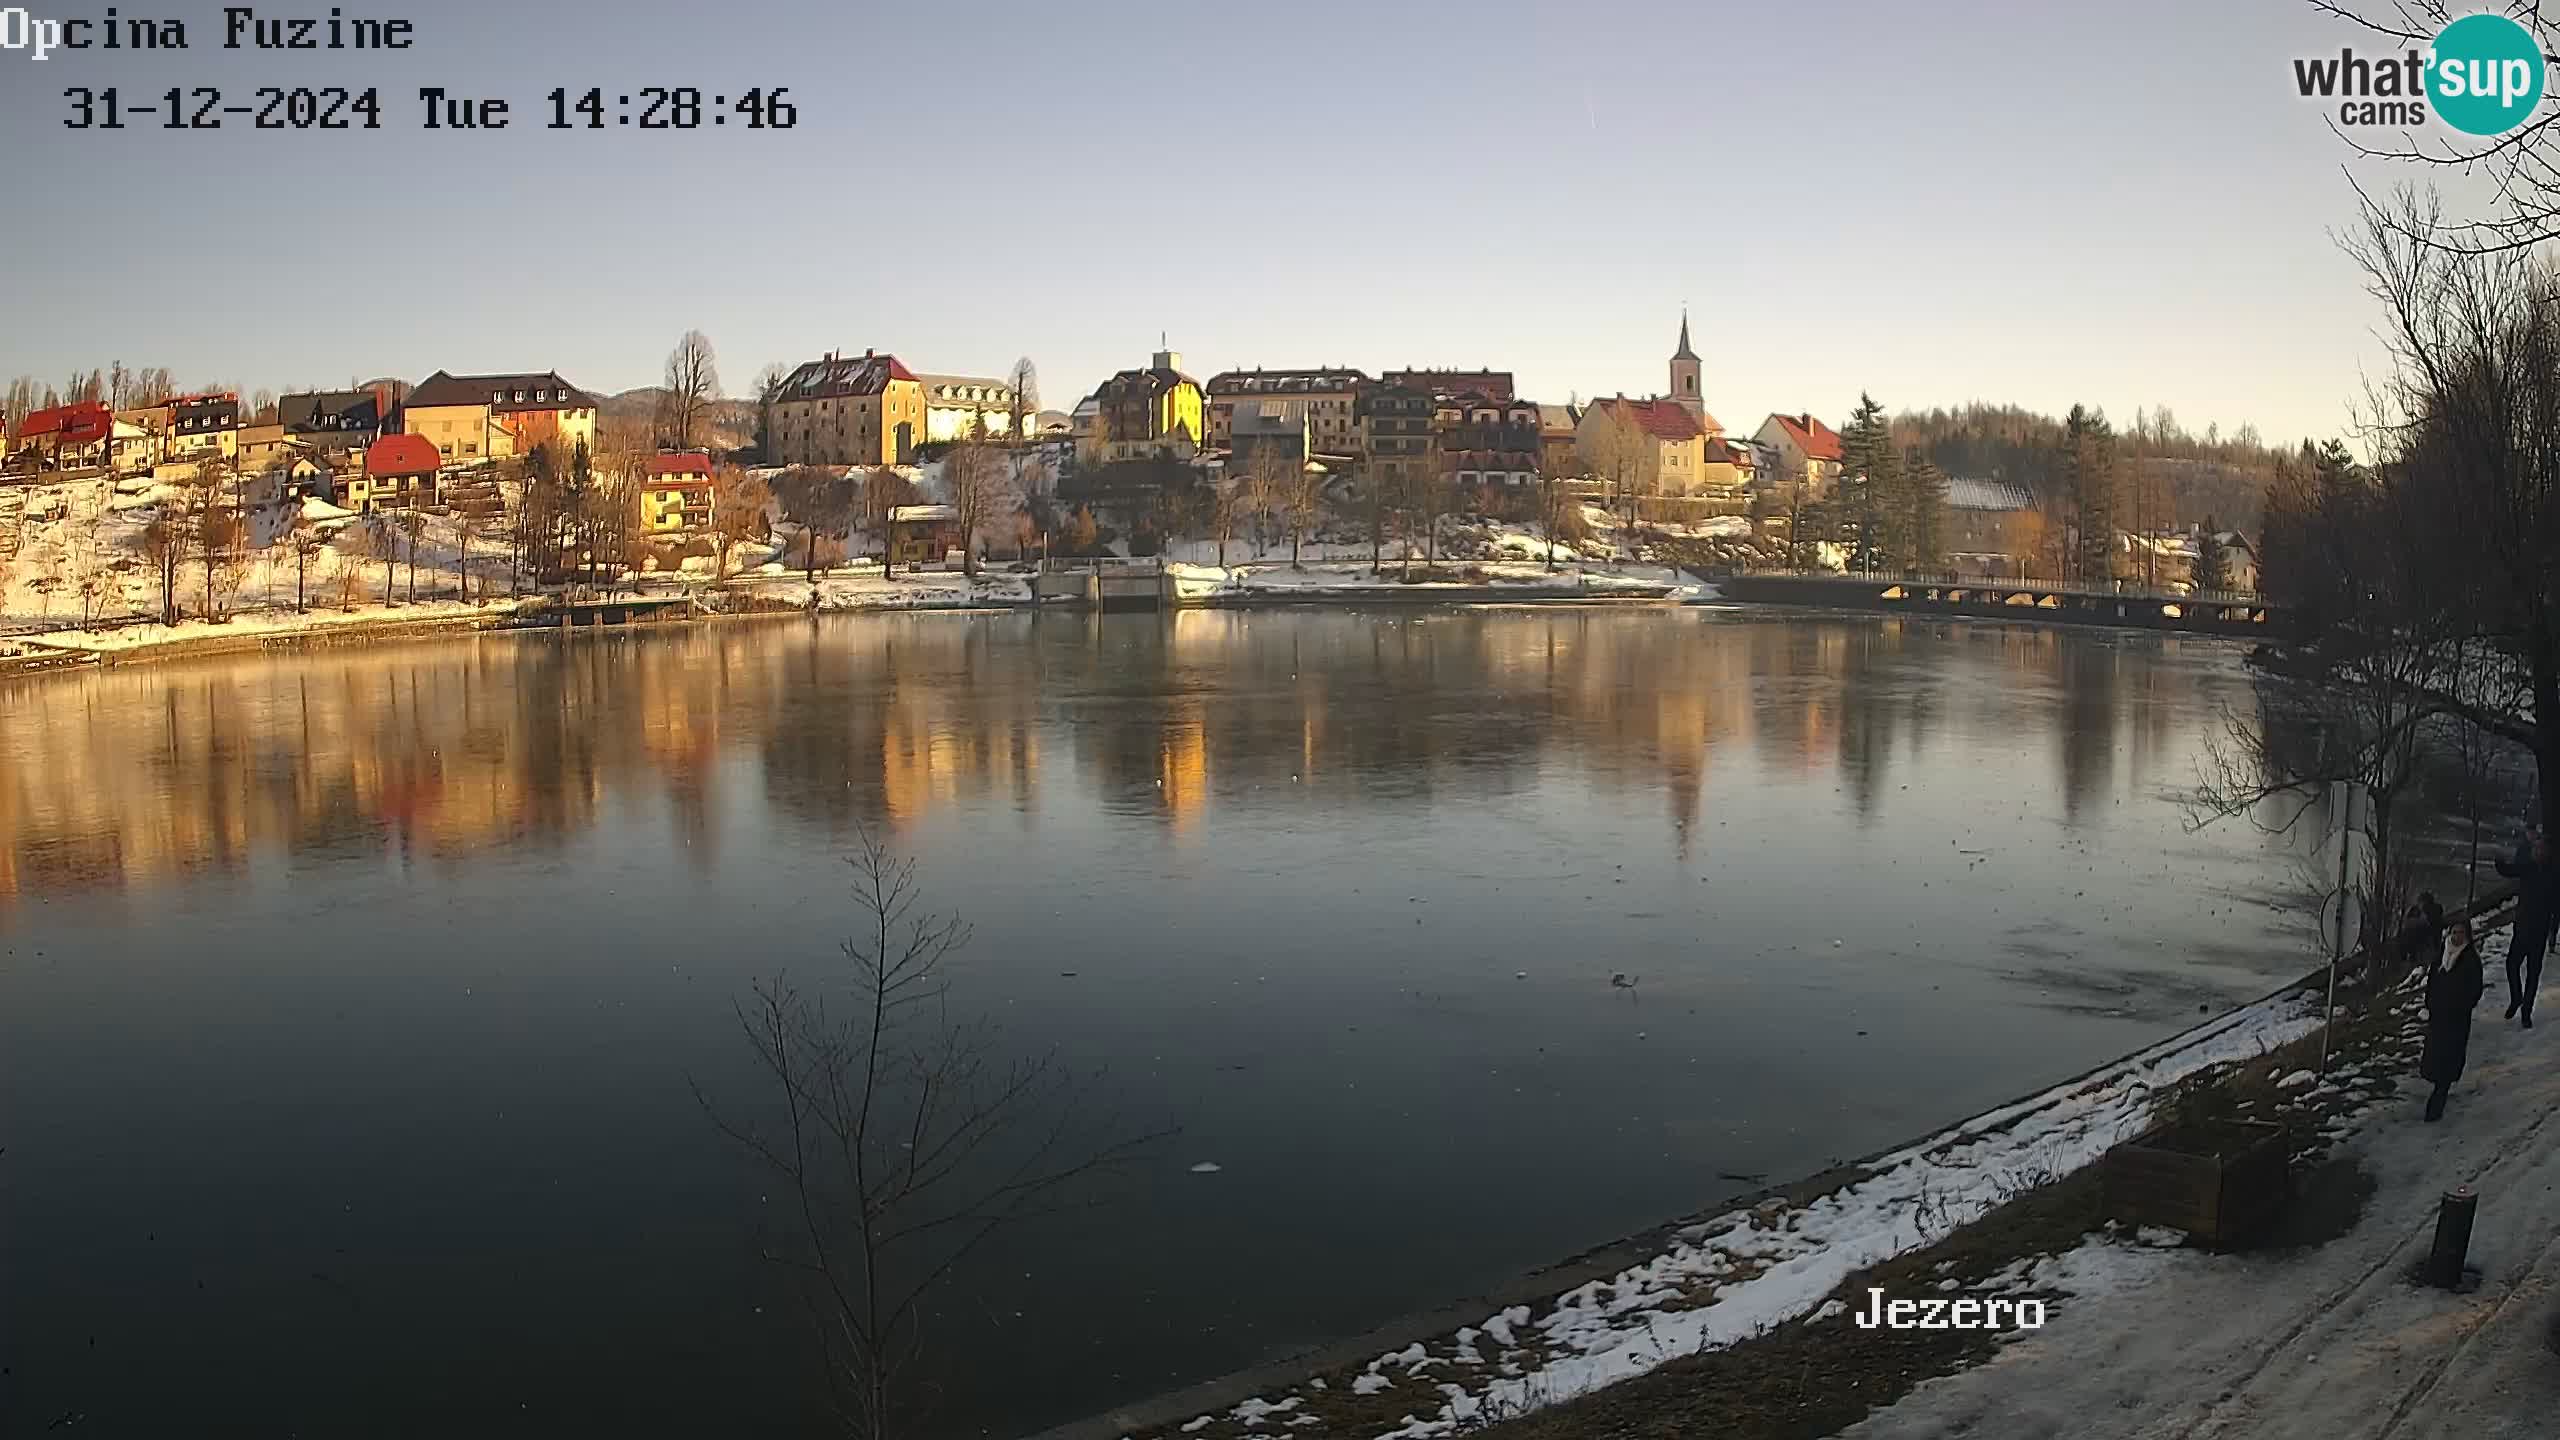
x=2482 y=76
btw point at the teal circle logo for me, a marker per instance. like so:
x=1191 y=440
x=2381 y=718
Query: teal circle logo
x=2484 y=76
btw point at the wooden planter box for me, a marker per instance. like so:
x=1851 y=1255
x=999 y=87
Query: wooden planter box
x=2220 y=1181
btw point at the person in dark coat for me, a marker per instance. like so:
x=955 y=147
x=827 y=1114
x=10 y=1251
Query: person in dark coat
x=2537 y=890
x=2454 y=983
x=2421 y=936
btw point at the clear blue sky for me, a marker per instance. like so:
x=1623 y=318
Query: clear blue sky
x=2005 y=199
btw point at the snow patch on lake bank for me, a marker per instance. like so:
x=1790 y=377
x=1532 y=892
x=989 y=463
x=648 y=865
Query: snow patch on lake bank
x=1744 y=1272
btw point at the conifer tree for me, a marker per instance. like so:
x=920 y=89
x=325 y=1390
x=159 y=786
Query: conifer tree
x=2212 y=570
x=1924 y=507
x=1869 y=476
x=2089 y=487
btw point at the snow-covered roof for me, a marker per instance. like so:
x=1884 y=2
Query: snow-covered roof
x=1965 y=492
x=914 y=514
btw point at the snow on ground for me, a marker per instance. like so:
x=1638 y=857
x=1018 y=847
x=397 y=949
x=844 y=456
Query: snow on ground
x=93 y=532
x=259 y=622
x=2332 y=1343
x=1734 y=1276
x=864 y=587
x=1353 y=578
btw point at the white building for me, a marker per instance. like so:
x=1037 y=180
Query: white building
x=963 y=405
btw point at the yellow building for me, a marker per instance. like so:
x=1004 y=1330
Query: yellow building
x=1651 y=447
x=1139 y=413
x=201 y=423
x=487 y=417
x=678 y=496
x=844 y=410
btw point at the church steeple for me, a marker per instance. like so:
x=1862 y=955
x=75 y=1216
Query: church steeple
x=1684 y=372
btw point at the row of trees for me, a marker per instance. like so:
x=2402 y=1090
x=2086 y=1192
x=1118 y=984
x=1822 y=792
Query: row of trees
x=1892 y=508
x=2427 y=603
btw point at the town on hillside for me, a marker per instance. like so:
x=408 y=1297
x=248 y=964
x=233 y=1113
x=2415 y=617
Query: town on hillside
x=117 y=484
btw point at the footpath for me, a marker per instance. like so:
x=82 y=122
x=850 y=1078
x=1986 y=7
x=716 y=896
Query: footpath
x=2333 y=1342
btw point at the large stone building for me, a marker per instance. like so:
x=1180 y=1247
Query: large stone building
x=848 y=410
x=470 y=418
x=967 y=406
x=1331 y=399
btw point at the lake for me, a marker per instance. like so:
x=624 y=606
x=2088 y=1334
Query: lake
x=352 y=1001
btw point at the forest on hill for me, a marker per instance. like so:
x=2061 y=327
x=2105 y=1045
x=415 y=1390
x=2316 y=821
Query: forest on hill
x=2170 y=477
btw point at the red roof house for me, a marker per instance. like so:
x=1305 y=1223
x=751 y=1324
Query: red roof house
x=395 y=456
x=1817 y=440
x=83 y=424
x=1661 y=419
x=688 y=467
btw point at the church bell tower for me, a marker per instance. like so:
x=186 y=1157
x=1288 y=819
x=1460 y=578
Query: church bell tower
x=1684 y=373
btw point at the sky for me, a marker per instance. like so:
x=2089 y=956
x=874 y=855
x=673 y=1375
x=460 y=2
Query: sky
x=2004 y=200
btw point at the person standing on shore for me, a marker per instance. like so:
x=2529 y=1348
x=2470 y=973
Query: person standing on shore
x=2537 y=887
x=2421 y=937
x=2454 y=983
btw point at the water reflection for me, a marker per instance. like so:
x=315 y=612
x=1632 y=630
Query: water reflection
x=432 y=753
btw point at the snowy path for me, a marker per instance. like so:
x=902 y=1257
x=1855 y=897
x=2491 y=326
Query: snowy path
x=2329 y=1344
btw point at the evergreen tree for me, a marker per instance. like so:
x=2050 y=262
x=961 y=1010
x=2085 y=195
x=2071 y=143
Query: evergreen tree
x=2212 y=569
x=1869 y=475
x=2338 y=478
x=2089 y=494
x=1924 y=506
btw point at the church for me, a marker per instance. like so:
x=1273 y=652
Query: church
x=1668 y=444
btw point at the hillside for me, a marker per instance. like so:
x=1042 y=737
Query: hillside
x=733 y=422
x=2163 y=467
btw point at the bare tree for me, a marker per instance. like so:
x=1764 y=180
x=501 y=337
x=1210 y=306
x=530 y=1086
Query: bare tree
x=1272 y=476
x=902 y=1140
x=974 y=475
x=883 y=492
x=164 y=544
x=1613 y=450
x=769 y=383
x=413 y=526
x=740 y=506
x=820 y=502
x=307 y=544
x=692 y=384
x=1025 y=385
x=382 y=541
x=354 y=546
x=2519 y=170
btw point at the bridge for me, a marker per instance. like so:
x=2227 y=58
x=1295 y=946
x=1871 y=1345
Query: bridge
x=2220 y=613
x=1108 y=582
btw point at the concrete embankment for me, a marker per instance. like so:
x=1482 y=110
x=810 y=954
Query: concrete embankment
x=138 y=646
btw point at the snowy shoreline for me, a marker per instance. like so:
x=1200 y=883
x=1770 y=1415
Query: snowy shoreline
x=1723 y=1278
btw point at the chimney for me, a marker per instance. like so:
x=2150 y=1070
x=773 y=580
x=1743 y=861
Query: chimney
x=1804 y=421
x=866 y=352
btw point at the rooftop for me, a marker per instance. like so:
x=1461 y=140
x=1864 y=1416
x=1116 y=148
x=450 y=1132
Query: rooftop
x=835 y=376
x=545 y=391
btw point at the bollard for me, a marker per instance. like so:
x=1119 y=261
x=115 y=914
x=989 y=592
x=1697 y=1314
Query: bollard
x=2453 y=1238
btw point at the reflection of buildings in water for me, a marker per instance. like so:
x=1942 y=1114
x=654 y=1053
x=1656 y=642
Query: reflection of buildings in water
x=122 y=776
x=1183 y=770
